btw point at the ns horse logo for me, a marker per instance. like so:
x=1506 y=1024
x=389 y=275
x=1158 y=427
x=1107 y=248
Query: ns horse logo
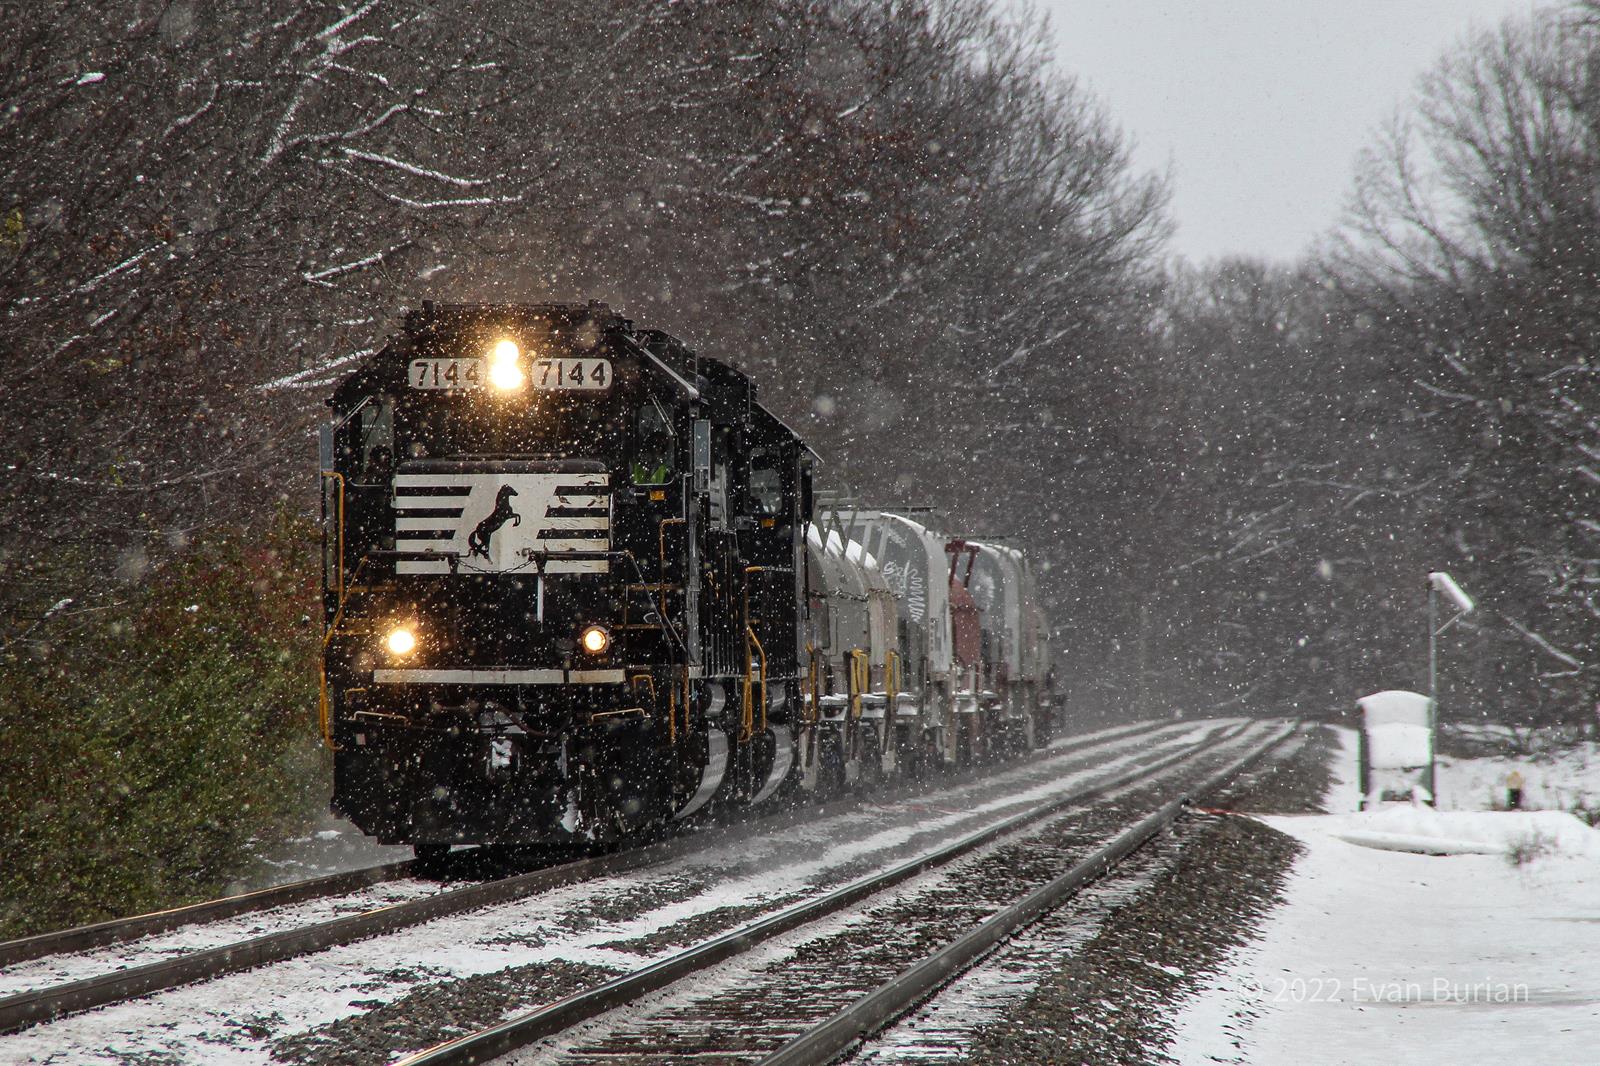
x=478 y=539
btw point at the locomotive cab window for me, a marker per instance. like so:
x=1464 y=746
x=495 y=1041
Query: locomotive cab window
x=766 y=484
x=653 y=458
x=721 y=472
x=364 y=443
x=377 y=443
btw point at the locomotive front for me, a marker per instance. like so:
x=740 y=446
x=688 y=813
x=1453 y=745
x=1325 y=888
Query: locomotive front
x=496 y=483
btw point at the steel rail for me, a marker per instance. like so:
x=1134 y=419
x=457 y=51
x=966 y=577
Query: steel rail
x=38 y=1005
x=118 y=930
x=869 y=1014
x=518 y=1032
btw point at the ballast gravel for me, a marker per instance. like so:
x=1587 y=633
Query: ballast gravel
x=436 y=1011
x=1112 y=1000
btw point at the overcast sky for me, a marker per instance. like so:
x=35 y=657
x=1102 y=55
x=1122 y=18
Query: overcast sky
x=1259 y=106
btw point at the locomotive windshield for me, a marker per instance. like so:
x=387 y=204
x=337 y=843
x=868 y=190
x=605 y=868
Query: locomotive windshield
x=473 y=425
x=653 y=451
x=766 y=483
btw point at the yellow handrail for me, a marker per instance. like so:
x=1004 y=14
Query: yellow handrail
x=324 y=710
x=750 y=634
x=688 y=703
x=860 y=679
x=661 y=540
x=672 y=714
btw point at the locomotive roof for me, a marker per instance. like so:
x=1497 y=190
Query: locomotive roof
x=431 y=315
x=724 y=387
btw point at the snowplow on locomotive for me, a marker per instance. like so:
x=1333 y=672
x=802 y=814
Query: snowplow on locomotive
x=575 y=589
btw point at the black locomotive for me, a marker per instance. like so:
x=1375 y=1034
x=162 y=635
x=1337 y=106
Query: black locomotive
x=574 y=590
x=561 y=587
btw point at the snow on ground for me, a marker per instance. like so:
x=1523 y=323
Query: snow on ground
x=1560 y=781
x=977 y=995
x=77 y=966
x=943 y=1028
x=1380 y=955
x=1401 y=827
x=333 y=846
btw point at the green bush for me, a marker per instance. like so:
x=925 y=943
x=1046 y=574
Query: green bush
x=148 y=759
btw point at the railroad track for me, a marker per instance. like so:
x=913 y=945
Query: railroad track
x=890 y=1000
x=118 y=981
x=137 y=927
x=792 y=1019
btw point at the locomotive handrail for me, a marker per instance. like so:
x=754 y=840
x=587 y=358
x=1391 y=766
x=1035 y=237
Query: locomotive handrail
x=661 y=539
x=339 y=554
x=749 y=716
x=891 y=689
x=324 y=710
x=672 y=734
x=666 y=623
x=759 y=570
x=812 y=695
x=672 y=712
x=860 y=679
x=750 y=632
x=648 y=680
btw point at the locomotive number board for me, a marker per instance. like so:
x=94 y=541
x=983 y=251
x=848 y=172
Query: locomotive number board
x=446 y=373
x=550 y=374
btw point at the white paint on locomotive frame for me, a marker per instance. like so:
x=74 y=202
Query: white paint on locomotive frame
x=496 y=677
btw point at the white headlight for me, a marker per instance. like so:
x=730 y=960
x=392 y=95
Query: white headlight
x=595 y=640
x=401 y=641
x=505 y=351
x=506 y=376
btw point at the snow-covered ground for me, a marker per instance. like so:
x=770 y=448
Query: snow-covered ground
x=1383 y=955
x=1559 y=781
x=333 y=846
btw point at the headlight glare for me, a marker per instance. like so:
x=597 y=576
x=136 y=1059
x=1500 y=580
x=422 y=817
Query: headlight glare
x=595 y=639
x=401 y=641
x=506 y=376
x=505 y=351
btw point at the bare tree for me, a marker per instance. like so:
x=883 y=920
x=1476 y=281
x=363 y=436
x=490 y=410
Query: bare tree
x=1475 y=237
x=900 y=218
